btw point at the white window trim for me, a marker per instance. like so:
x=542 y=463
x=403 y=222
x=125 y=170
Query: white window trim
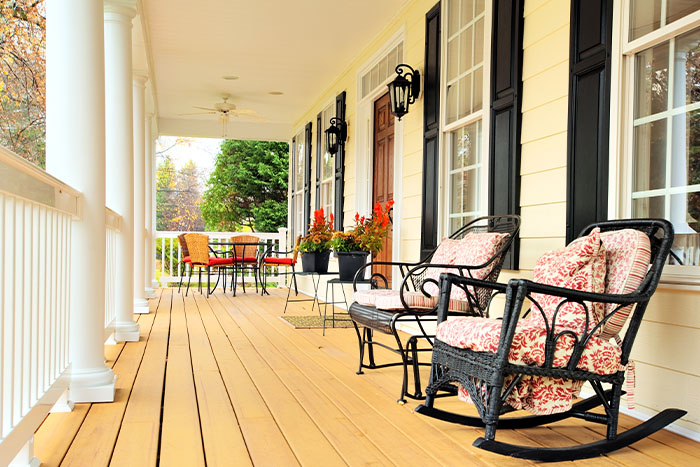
x=321 y=181
x=296 y=196
x=484 y=115
x=621 y=129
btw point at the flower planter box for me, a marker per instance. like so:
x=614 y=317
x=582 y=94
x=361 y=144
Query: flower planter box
x=349 y=262
x=316 y=261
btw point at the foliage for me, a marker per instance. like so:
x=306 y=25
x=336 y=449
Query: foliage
x=248 y=187
x=178 y=197
x=368 y=233
x=23 y=78
x=320 y=233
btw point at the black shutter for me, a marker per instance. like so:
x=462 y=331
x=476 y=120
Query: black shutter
x=431 y=133
x=292 y=153
x=506 y=92
x=589 y=114
x=307 y=177
x=339 y=166
x=319 y=135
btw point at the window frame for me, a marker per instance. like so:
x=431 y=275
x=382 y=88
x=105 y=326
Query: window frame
x=483 y=114
x=297 y=196
x=621 y=174
x=330 y=180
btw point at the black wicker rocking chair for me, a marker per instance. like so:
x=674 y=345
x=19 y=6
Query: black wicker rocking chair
x=482 y=374
x=414 y=279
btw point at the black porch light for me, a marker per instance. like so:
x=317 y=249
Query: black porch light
x=336 y=135
x=404 y=89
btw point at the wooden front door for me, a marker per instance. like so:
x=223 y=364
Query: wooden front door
x=383 y=171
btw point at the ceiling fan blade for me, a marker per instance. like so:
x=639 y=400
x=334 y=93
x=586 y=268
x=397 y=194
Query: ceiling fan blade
x=197 y=113
x=256 y=118
x=204 y=108
x=245 y=111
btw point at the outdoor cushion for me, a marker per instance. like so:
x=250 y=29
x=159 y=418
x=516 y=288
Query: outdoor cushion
x=246 y=259
x=369 y=297
x=216 y=261
x=474 y=249
x=287 y=261
x=186 y=259
x=536 y=394
x=578 y=266
x=416 y=300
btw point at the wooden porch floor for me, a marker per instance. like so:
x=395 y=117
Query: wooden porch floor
x=224 y=381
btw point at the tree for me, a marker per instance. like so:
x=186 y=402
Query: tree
x=248 y=187
x=166 y=201
x=23 y=78
x=188 y=193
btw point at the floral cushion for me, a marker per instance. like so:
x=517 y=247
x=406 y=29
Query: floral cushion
x=579 y=266
x=536 y=394
x=369 y=297
x=628 y=253
x=474 y=249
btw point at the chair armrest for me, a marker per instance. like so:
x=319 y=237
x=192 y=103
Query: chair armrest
x=446 y=281
x=359 y=275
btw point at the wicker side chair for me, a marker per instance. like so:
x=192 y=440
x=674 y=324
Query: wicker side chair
x=539 y=361
x=245 y=257
x=415 y=302
x=182 y=265
x=198 y=248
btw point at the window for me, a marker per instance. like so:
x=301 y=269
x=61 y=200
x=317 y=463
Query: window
x=664 y=103
x=463 y=91
x=327 y=164
x=298 y=185
x=380 y=72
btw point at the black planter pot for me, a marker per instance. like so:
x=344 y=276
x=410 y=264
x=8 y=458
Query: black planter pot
x=316 y=261
x=349 y=262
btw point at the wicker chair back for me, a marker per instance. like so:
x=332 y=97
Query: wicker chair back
x=198 y=246
x=183 y=244
x=295 y=255
x=240 y=251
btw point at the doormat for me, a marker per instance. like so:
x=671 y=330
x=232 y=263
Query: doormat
x=316 y=322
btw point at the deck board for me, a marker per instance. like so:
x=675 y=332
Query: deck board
x=224 y=381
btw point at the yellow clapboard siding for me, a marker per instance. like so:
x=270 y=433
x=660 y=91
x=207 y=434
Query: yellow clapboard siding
x=545 y=120
x=546 y=86
x=544 y=154
x=532 y=5
x=181 y=438
x=545 y=20
x=543 y=188
x=667 y=346
x=532 y=248
x=673 y=306
x=141 y=423
x=223 y=441
x=543 y=221
x=546 y=52
x=265 y=441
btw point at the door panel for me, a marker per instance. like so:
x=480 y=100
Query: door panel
x=383 y=171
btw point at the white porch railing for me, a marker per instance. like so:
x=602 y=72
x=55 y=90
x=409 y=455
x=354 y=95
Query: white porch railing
x=36 y=211
x=113 y=226
x=169 y=253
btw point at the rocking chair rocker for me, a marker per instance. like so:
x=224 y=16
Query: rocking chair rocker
x=495 y=370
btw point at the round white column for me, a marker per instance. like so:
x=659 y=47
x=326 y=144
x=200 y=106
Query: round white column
x=75 y=146
x=120 y=163
x=139 y=254
x=148 y=204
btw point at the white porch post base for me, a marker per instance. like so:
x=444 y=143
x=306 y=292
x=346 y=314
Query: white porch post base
x=155 y=284
x=111 y=340
x=63 y=404
x=150 y=292
x=141 y=306
x=92 y=385
x=126 y=332
x=25 y=458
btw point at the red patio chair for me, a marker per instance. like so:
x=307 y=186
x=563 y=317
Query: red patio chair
x=198 y=246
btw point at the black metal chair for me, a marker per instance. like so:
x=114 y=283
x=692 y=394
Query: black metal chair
x=415 y=280
x=484 y=375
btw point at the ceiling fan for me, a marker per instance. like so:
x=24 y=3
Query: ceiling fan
x=225 y=109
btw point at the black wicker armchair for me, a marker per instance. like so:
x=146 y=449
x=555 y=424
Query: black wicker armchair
x=416 y=283
x=490 y=378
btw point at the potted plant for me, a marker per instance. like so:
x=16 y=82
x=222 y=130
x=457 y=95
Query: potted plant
x=366 y=237
x=314 y=247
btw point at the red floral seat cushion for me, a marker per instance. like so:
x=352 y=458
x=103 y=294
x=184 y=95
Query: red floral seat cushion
x=283 y=261
x=369 y=297
x=474 y=249
x=536 y=394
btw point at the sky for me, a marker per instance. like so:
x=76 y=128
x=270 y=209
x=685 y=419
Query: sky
x=202 y=151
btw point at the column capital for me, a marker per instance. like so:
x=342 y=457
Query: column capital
x=114 y=9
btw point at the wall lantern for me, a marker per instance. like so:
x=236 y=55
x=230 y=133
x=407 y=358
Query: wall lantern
x=336 y=135
x=404 y=89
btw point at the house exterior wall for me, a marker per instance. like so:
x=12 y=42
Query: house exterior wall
x=668 y=374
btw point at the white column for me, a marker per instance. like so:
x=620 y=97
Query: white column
x=148 y=205
x=154 y=283
x=139 y=254
x=75 y=142
x=120 y=163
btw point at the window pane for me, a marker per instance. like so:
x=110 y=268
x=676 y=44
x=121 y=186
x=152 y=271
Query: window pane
x=467 y=12
x=452 y=59
x=479 y=7
x=452 y=17
x=299 y=162
x=478 y=89
x=645 y=16
x=648 y=207
x=651 y=81
x=685 y=164
x=455 y=224
x=686 y=81
x=457 y=187
x=650 y=156
x=685 y=214
x=676 y=9
x=465 y=96
x=479 y=42
x=452 y=103
x=465 y=142
x=465 y=59
x=470 y=185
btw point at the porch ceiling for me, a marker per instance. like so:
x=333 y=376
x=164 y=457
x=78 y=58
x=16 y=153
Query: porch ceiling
x=296 y=47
